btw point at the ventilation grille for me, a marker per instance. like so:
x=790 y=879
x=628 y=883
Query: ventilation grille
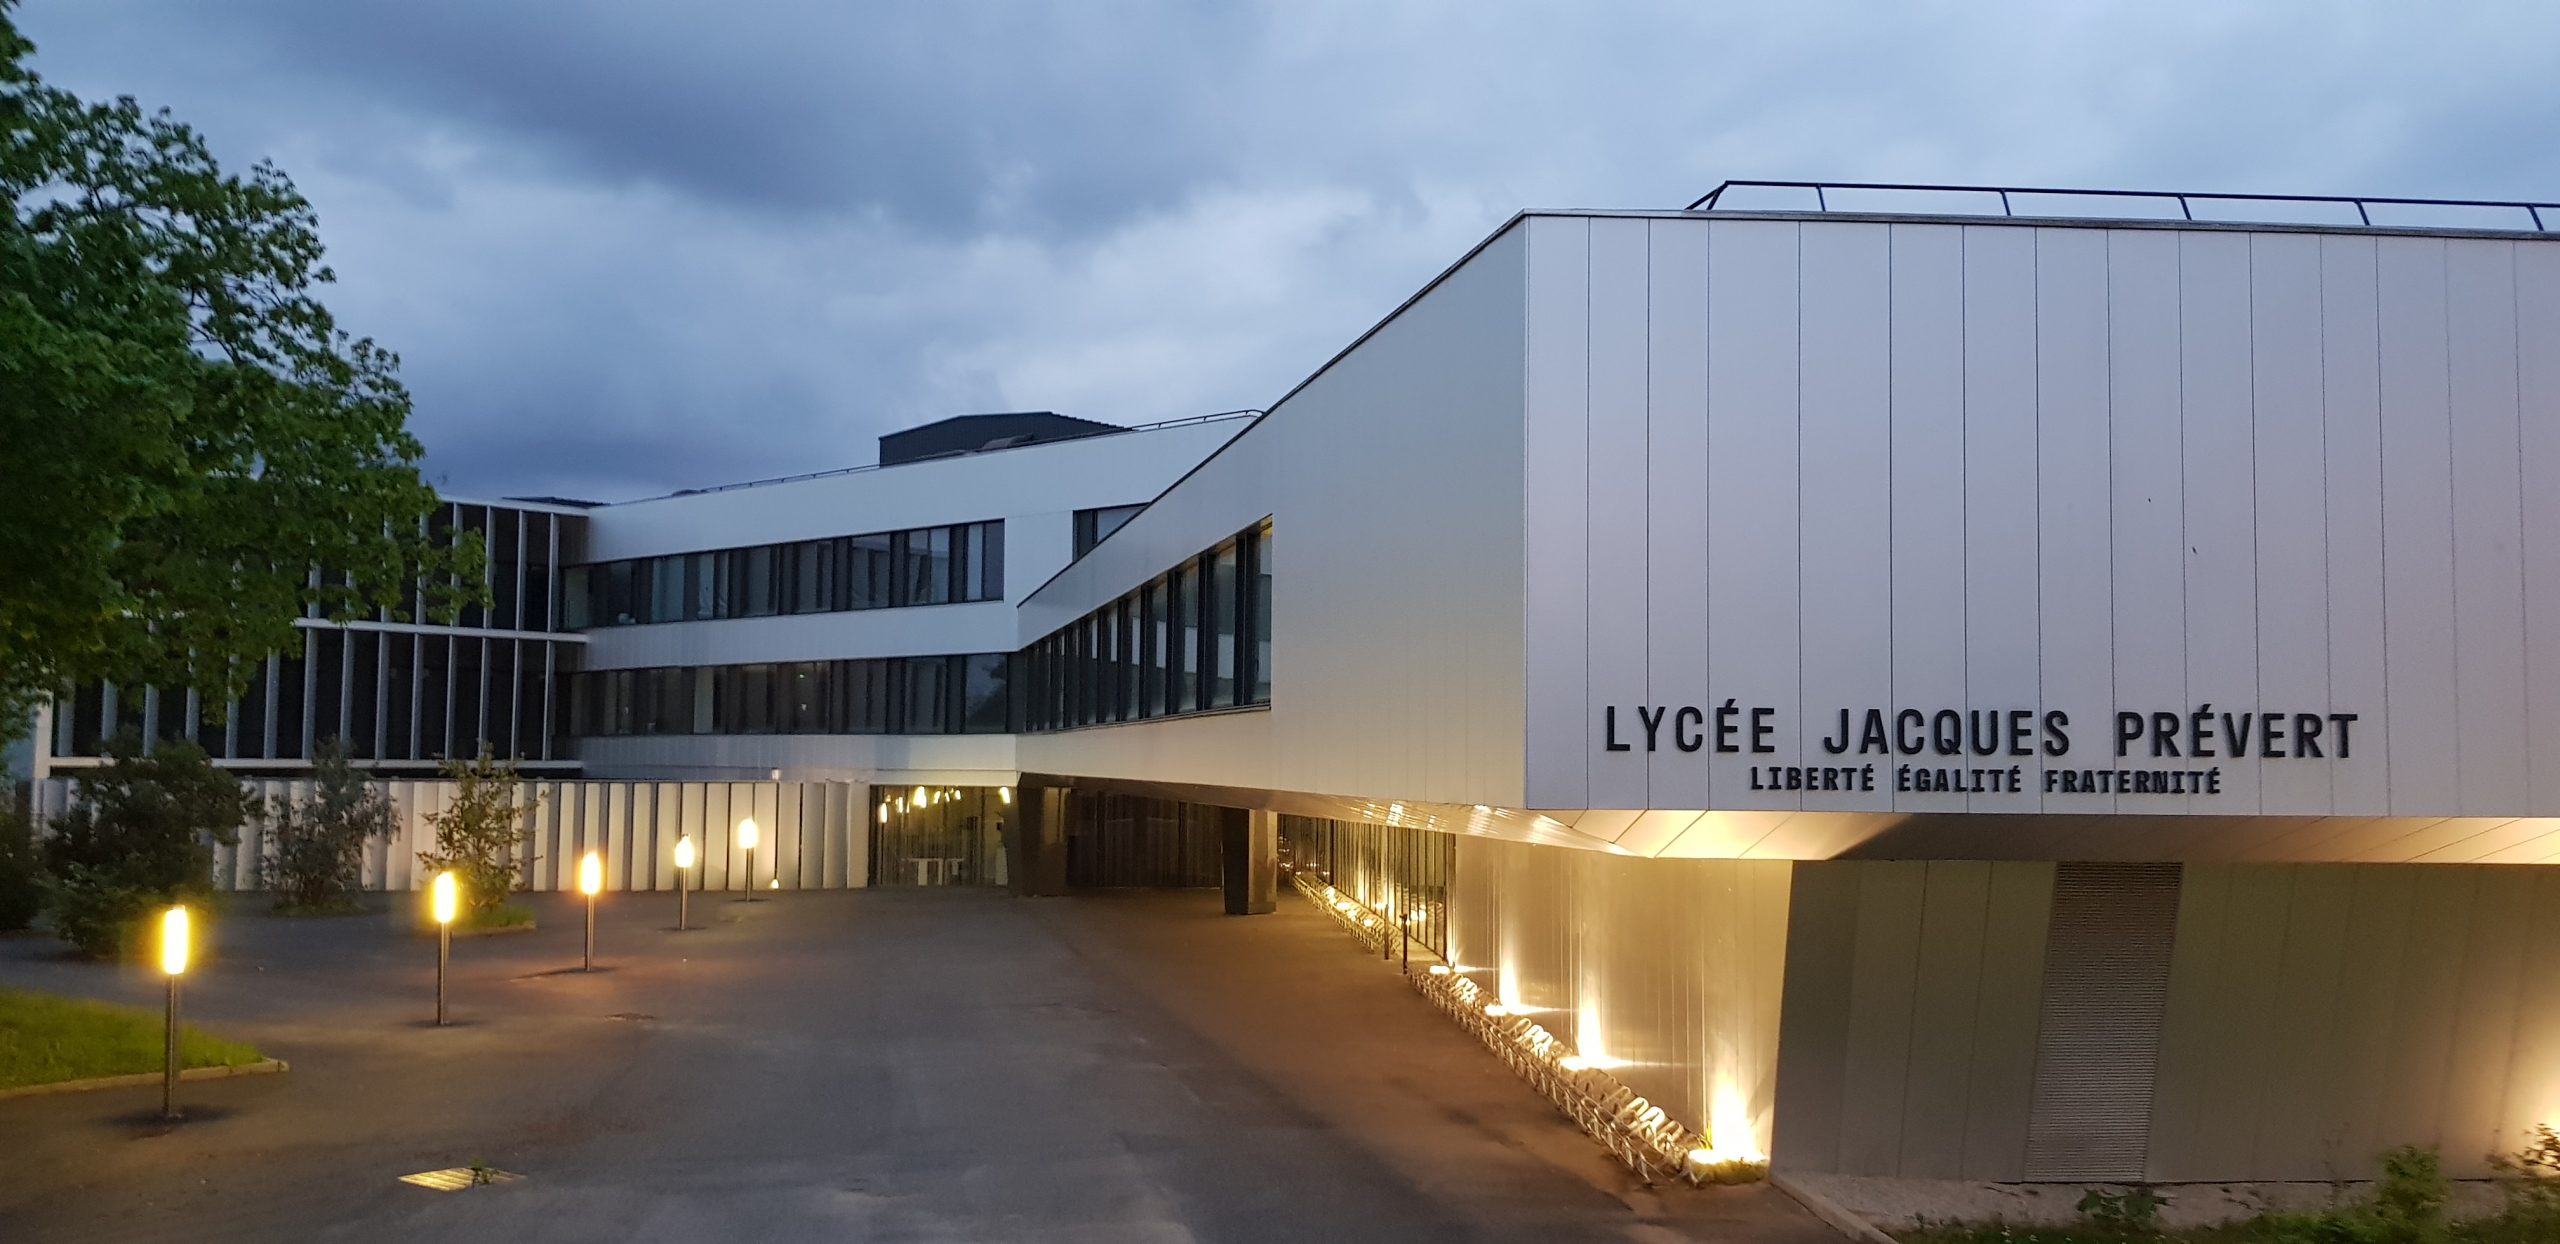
x=2106 y=984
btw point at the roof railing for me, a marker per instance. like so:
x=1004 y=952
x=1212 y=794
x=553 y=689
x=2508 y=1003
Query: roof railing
x=1902 y=198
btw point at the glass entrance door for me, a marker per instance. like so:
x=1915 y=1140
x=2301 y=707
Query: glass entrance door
x=939 y=835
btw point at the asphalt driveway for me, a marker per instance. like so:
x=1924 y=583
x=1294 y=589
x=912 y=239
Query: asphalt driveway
x=892 y=1065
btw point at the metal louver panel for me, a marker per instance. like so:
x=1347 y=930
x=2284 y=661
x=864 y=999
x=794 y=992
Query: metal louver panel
x=2106 y=985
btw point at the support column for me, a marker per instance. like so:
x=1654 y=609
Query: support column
x=1039 y=842
x=1249 y=860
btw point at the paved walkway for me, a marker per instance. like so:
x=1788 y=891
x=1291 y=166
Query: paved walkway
x=898 y=1065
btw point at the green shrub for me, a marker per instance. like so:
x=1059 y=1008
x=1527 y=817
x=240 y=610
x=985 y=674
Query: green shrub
x=314 y=860
x=2134 y=1212
x=21 y=881
x=139 y=835
x=478 y=833
x=2530 y=1179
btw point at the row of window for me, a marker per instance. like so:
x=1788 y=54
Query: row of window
x=523 y=548
x=883 y=570
x=1198 y=638
x=391 y=696
x=965 y=694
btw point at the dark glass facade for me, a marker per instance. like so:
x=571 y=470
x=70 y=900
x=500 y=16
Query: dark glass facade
x=1396 y=870
x=965 y=694
x=1196 y=639
x=882 y=570
x=394 y=691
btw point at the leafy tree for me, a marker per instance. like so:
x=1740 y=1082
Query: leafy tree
x=315 y=847
x=478 y=833
x=189 y=433
x=139 y=835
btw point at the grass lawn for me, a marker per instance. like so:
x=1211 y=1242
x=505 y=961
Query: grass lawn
x=45 y=1039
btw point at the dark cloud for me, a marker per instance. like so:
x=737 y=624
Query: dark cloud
x=627 y=246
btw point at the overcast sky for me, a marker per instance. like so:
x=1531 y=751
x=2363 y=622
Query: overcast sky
x=628 y=246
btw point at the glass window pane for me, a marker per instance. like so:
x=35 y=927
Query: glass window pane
x=1131 y=619
x=871 y=572
x=925 y=695
x=619 y=608
x=973 y=551
x=809 y=576
x=1182 y=664
x=1151 y=700
x=762 y=581
x=1262 y=617
x=988 y=680
x=666 y=590
x=1222 y=617
x=576 y=586
x=991 y=572
x=937 y=566
x=702 y=579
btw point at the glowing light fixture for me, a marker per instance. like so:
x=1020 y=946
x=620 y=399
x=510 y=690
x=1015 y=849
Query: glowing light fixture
x=747 y=836
x=1004 y=794
x=444 y=901
x=590 y=883
x=684 y=879
x=919 y=794
x=884 y=813
x=174 y=938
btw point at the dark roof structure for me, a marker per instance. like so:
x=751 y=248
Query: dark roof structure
x=962 y=434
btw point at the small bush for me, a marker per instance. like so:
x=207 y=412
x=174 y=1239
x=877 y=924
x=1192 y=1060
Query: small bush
x=478 y=833
x=140 y=835
x=314 y=860
x=2134 y=1212
x=2530 y=1179
x=21 y=882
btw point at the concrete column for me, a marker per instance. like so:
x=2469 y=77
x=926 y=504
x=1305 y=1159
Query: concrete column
x=1249 y=860
x=1038 y=846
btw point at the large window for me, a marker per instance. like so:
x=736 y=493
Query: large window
x=967 y=694
x=1197 y=638
x=1094 y=526
x=882 y=570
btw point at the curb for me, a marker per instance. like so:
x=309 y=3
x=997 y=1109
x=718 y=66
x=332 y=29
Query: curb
x=269 y=1066
x=1832 y=1212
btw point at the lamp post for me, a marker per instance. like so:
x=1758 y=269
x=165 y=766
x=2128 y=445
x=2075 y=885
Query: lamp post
x=174 y=936
x=747 y=839
x=684 y=870
x=446 y=900
x=590 y=882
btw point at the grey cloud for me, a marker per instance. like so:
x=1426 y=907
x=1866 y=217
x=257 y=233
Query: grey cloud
x=634 y=246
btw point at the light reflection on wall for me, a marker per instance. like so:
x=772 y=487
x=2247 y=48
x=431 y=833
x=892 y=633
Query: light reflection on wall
x=1665 y=972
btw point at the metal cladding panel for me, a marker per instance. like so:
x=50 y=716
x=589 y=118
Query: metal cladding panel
x=2011 y=518
x=1400 y=604
x=2106 y=984
x=2319 y=1015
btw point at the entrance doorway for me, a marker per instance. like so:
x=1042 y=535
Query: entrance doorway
x=940 y=835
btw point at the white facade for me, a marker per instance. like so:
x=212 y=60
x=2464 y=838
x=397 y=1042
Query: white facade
x=1997 y=491
x=1035 y=490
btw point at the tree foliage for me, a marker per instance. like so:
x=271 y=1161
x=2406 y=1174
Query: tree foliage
x=314 y=859
x=477 y=834
x=187 y=432
x=139 y=835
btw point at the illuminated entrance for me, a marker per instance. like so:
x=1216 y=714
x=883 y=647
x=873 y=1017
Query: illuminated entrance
x=940 y=835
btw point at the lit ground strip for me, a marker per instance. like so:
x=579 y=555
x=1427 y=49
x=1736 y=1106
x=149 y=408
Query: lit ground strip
x=1638 y=1132
x=457 y=1178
